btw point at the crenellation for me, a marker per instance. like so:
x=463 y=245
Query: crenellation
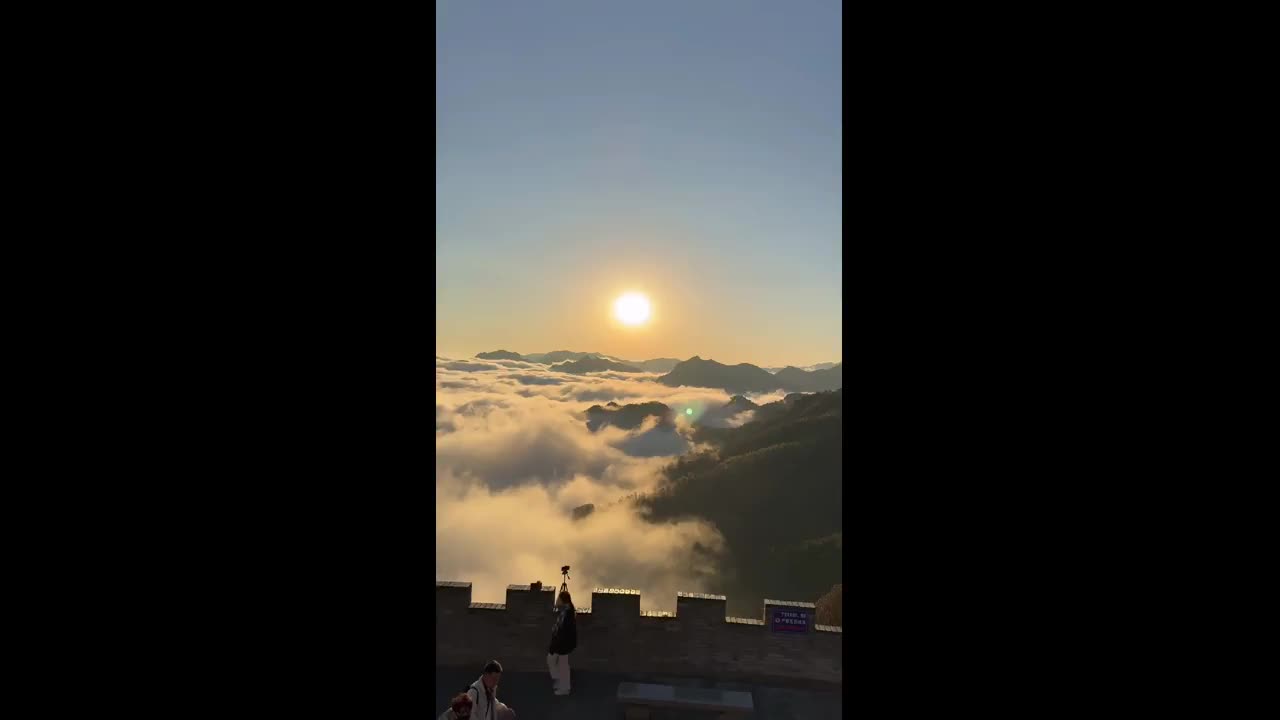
x=452 y=597
x=614 y=634
x=615 y=604
x=528 y=602
x=700 y=607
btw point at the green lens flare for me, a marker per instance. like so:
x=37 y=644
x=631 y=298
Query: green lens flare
x=688 y=411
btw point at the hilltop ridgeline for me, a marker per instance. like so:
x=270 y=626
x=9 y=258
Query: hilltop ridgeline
x=658 y=365
x=694 y=372
x=711 y=423
x=745 y=377
x=591 y=365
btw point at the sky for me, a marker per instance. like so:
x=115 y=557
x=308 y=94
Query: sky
x=687 y=150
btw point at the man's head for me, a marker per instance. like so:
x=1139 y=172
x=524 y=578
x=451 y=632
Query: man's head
x=564 y=599
x=492 y=674
x=461 y=705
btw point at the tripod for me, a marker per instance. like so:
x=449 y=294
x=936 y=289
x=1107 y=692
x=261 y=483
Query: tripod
x=564 y=584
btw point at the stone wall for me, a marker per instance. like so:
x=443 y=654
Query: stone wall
x=615 y=636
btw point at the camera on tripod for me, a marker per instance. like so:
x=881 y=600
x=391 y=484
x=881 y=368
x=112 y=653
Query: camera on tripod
x=564 y=570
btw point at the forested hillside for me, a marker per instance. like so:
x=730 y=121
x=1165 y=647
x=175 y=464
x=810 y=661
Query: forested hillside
x=773 y=487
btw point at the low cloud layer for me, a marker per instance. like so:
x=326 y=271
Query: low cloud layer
x=514 y=456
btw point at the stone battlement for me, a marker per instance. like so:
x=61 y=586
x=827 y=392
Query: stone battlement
x=615 y=635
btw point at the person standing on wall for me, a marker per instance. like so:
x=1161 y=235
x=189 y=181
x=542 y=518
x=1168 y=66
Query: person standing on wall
x=564 y=640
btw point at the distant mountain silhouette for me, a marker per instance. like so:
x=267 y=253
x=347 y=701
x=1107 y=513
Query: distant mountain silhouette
x=656 y=365
x=627 y=417
x=810 y=368
x=593 y=364
x=740 y=378
x=559 y=356
x=555 y=356
x=693 y=372
x=794 y=379
x=745 y=377
x=499 y=355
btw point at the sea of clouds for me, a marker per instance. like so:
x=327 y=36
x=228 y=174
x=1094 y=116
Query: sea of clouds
x=514 y=457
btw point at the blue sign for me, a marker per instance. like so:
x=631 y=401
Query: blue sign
x=789 y=620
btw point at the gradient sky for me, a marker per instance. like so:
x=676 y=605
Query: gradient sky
x=689 y=150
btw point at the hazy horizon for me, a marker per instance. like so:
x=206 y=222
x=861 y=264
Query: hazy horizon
x=455 y=355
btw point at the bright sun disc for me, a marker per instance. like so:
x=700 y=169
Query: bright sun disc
x=632 y=309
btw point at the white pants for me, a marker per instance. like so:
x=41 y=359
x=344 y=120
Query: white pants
x=559 y=667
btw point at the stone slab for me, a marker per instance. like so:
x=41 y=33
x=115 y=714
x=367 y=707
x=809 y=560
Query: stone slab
x=684 y=697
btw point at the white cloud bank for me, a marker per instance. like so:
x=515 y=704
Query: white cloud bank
x=514 y=457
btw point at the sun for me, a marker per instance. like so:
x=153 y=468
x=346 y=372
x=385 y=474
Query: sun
x=631 y=309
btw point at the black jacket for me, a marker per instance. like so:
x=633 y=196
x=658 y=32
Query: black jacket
x=564 y=636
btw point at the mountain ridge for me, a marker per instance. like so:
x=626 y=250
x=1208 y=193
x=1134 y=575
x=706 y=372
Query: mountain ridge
x=592 y=364
x=668 y=365
x=745 y=377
